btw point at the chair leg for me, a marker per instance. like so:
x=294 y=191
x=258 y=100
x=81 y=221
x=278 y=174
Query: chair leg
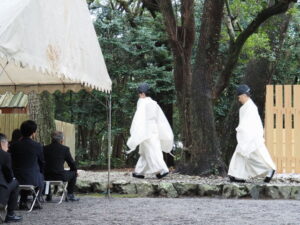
x=64 y=194
x=35 y=198
x=3 y=211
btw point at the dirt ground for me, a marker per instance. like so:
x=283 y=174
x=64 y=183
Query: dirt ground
x=162 y=211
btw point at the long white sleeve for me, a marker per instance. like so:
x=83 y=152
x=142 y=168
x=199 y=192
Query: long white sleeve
x=138 y=129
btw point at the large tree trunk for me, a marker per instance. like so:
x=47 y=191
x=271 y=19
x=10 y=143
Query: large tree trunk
x=41 y=110
x=205 y=154
x=118 y=146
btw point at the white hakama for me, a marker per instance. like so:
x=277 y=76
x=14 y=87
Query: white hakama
x=151 y=131
x=251 y=157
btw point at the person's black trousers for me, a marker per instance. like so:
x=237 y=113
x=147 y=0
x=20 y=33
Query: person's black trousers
x=67 y=176
x=10 y=195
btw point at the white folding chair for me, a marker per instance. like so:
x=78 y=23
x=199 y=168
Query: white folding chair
x=58 y=183
x=34 y=193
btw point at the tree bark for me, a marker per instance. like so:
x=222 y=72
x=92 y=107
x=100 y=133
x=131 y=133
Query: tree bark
x=41 y=109
x=205 y=154
x=118 y=146
x=181 y=39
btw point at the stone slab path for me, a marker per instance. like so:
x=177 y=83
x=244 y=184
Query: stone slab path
x=166 y=211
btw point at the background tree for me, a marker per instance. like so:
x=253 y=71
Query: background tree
x=41 y=110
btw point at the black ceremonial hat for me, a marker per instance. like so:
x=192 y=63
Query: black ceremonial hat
x=243 y=89
x=143 y=88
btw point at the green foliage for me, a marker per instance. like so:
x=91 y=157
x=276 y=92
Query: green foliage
x=245 y=11
x=288 y=68
x=257 y=45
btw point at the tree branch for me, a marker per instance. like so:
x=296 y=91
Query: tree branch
x=188 y=24
x=166 y=9
x=280 y=6
x=228 y=22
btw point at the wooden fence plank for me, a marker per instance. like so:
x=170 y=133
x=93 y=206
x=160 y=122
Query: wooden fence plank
x=269 y=121
x=288 y=128
x=279 y=128
x=297 y=126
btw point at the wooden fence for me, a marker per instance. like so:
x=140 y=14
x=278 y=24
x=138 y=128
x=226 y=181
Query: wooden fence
x=9 y=122
x=69 y=132
x=282 y=126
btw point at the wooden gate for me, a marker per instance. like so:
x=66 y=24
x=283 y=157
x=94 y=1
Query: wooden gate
x=282 y=126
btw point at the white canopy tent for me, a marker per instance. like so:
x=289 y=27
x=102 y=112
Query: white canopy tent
x=50 y=45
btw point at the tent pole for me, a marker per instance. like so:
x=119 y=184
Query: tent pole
x=109 y=146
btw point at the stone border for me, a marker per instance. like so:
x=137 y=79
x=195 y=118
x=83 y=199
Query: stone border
x=186 y=189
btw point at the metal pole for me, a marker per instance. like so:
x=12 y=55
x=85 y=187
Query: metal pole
x=109 y=145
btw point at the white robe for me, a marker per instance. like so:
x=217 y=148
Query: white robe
x=150 y=130
x=251 y=157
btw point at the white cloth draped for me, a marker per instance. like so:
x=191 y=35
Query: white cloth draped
x=49 y=45
x=150 y=130
x=251 y=157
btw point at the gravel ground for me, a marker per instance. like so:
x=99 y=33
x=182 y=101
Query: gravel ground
x=161 y=211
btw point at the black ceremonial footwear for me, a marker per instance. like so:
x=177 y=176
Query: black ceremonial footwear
x=233 y=179
x=72 y=198
x=138 y=176
x=159 y=176
x=268 y=179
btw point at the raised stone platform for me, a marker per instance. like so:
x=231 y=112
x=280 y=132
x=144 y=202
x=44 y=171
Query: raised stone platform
x=283 y=186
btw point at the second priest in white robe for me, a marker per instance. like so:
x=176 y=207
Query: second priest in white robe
x=251 y=157
x=150 y=130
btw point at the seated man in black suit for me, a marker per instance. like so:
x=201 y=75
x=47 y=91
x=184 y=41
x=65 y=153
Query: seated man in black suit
x=28 y=160
x=9 y=186
x=56 y=154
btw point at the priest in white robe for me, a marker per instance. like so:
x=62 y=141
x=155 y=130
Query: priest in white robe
x=151 y=131
x=251 y=157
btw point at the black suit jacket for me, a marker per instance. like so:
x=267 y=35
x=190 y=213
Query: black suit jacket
x=6 y=173
x=28 y=162
x=56 y=155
